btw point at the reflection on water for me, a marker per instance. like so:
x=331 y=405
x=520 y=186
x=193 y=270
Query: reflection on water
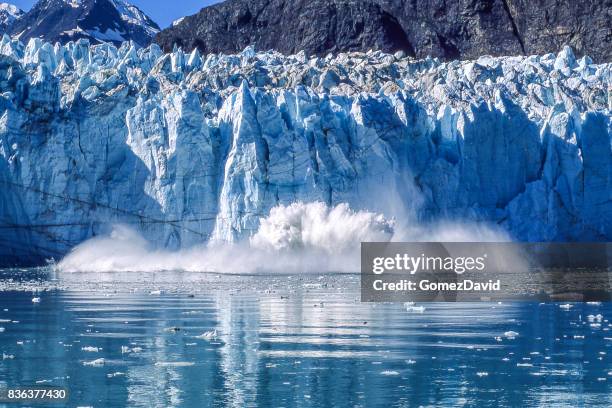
x=150 y=341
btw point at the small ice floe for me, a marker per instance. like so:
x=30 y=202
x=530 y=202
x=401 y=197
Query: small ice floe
x=524 y=365
x=94 y=363
x=36 y=300
x=511 y=335
x=595 y=318
x=209 y=335
x=578 y=336
x=174 y=364
x=117 y=374
x=7 y=356
x=43 y=381
x=415 y=309
x=602 y=379
x=594 y=303
x=410 y=362
x=155 y=292
x=389 y=373
x=482 y=374
x=90 y=349
x=566 y=306
x=128 y=350
x=2 y=329
x=505 y=359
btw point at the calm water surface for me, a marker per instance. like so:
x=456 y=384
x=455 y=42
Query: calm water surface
x=185 y=340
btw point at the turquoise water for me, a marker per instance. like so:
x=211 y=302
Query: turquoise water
x=283 y=341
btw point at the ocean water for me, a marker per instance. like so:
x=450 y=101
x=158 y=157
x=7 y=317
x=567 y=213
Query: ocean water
x=199 y=340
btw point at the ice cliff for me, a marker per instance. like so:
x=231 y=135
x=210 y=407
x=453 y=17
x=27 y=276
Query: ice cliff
x=187 y=148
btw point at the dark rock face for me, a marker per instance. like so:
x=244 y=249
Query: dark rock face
x=97 y=20
x=440 y=28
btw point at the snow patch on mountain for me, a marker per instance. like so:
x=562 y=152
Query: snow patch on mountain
x=188 y=149
x=8 y=14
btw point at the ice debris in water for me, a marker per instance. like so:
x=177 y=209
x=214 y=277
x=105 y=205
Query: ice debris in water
x=127 y=350
x=94 y=363
x=410 y=307
x=36 y=300
x=174 y=364
x=511 y=334
x=595 y=318
x=209 y=335
x=566 y=306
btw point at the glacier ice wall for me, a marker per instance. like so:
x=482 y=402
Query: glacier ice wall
x=188 y=148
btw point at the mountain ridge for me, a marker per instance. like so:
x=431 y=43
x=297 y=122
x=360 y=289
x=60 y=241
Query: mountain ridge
x=456 y=30
x=61 y=21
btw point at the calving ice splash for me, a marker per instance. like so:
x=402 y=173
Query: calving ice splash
x=299 y=237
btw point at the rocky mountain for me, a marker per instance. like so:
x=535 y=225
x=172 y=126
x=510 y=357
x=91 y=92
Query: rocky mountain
x=8 y=14
x=97 y=20
x=187 y=149
x=440 y=28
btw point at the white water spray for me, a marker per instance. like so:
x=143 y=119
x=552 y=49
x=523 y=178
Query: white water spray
x=297 y=238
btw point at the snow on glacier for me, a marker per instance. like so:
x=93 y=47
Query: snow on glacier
x=189 y=148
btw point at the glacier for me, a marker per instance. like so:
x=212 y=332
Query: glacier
x=188 y=148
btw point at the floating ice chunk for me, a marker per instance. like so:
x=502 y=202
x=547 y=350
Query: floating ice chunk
x=511 y=334
x=127 y=350
x=415 y=309
x=595 y=318
x=174 y=364
x=390 y=373
x=90 y=349
x=566 y=306
x=209 y=335
x=95 y=363
x=36 y=300
x=482 y=374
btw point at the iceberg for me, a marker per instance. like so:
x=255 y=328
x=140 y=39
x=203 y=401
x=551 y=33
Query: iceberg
x=189 y=148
